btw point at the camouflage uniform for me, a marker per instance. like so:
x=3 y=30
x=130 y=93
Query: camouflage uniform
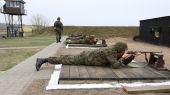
x=58 y=26
x=94 y=58
x=101 y=57
x=82 y=40
x=76 y=37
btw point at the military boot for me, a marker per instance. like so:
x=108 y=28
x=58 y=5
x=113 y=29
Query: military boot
x=39 y=62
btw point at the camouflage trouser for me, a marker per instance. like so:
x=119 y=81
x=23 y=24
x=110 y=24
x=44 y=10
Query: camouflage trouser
x=84 y=59
x=81 y=59
x=67 y=60
x=58 y=36
x=75 y=38
x=60 y=60
x=80 y=41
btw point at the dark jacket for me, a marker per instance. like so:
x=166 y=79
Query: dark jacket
x=58 y=26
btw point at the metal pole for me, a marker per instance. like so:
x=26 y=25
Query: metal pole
x=6 y=24
x=22 y=31
x=12 y=25
x=9 y=26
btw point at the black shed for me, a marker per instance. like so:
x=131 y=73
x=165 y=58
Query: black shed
x=156 y=30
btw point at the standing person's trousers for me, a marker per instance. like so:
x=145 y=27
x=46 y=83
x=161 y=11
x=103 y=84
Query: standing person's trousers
x=58 y=36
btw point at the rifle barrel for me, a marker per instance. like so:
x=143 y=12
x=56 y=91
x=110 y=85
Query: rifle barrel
x=132 y=52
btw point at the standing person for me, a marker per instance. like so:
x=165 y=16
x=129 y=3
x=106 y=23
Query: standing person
x=58 y=27
x=112 y=57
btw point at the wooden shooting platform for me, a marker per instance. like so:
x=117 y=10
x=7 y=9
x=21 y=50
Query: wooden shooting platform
x=75 y=72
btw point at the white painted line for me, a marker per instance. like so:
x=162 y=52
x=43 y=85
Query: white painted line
x=54 y=77
x=58 y=66
x=106 y=85
x=82 y=47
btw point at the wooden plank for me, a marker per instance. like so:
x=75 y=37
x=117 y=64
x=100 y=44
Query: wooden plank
x=83 y=72
x=119 y=73
x=159 y=73
x=136 y=73
x=100 y=72
x=144 y=89
x=92 y=72
x=129 y=72
x=165 y=73
x=65 y=72
x=108 y=73
x=151 y=73
x=74 y=73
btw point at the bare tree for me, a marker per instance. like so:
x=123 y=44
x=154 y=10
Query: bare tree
x=39 y=22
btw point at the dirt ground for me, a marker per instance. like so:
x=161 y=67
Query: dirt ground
x=37 y=87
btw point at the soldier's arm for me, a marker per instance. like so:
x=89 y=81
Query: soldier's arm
x=114 y=63
x=54 y=25
x=126 y=59
x=61 y=26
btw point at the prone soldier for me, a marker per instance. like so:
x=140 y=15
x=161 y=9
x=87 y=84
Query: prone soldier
x=76 y=37
x=112 y=56
x=85 y=40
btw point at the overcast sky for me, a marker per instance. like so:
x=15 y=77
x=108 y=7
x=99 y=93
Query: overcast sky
x=96 y=12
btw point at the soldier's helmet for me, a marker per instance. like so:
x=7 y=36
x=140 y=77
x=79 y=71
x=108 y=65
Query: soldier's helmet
x=91 y=37
x=58 y=18
x=120 y=46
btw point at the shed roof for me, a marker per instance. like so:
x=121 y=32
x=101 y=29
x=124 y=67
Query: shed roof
x=156 y=18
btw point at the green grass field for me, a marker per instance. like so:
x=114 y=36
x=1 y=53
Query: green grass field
x=41 y=40
x=10 y=58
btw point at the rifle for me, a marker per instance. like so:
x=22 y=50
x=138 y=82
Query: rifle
x=155 y=59
x=133 y=52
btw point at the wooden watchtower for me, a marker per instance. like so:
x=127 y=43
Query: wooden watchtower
x=13 y=11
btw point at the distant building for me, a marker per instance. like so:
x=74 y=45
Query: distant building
x=155 y=30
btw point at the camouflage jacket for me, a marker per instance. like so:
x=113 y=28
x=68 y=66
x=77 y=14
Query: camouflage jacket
x=58 y=26
x=81 y=41
x=106 y=57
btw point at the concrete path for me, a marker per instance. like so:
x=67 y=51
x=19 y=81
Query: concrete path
x=23 y=47
x=15 y=80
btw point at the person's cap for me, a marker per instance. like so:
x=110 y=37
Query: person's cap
x=58 y=18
